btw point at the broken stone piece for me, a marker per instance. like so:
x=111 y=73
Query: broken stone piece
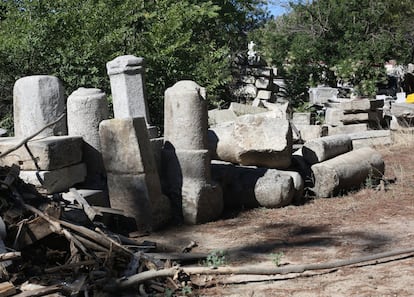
x=49 y=153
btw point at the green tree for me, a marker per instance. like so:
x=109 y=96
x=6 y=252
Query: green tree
x=321 y=41
x=74 y=39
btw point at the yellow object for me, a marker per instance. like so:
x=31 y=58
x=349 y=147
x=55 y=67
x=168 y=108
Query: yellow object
x=410 y=98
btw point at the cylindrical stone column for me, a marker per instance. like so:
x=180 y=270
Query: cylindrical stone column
x=186 y=116
x=86 y=108
x=37 y=101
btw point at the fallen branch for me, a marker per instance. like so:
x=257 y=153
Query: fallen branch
x=26 y=139
x=250 y=269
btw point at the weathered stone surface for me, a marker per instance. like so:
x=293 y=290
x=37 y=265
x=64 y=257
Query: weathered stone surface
x=37 y=101
x=274 y=190
x=50 y=153
x=186 y=160
x=245 y=91
x=301 y=118
x=55 y=181
x=253 y=140
x=248 y=79
x=135 y=157
x=133 y=180
x=221 y=142
x=263 y=83
x=243 y=109
x=333 y=116
x=298 y=184
x=186 y=115
x=308 y=132
x=347 y=129
x=321 y=95
x=264 y=95
x=337 y=117
x=355 y=118
x=347 y=171
x=86 y=108
x=324 y=148
x=217 y=116
x=403 y=110
x=351 y=105
x=126 y=74
x=201 y=202
x=371 y=138
x=284 y=107
x=263 y=141
x=257 y=103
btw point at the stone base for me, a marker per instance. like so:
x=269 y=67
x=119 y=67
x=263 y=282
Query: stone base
x=201 y=203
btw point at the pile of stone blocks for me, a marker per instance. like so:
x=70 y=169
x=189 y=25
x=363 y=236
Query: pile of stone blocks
x=332 y=165
x=256 y=82
x=50 y=161
x=353 y=115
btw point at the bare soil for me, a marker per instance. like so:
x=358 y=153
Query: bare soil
x=360 y=223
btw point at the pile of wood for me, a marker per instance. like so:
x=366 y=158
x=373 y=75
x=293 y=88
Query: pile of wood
x=52 y=246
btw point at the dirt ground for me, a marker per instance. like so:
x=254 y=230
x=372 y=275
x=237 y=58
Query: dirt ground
x=361 y=223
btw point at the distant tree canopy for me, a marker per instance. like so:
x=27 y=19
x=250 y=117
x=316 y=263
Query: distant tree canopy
x=322 y=41
x=74 y=39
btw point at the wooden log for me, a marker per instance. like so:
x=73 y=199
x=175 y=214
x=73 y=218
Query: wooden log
x=7 y=289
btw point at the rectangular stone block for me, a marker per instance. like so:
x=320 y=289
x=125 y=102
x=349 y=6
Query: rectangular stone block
x=350 y=105
x=49 y=153
x=308 y=132
x=376 y=118
x=371 y=138
x=243 y=109
x=55 y=181
x=264 y=95
x=347 y=129
x=263 y=83
x=301 y=118
x=217 y=116
x=333 y=116
x=403 y=110
x=321 y=95
x=351 y=118
x=124 y=143
x=129 y=192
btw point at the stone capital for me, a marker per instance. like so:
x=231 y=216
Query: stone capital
x=127 y=64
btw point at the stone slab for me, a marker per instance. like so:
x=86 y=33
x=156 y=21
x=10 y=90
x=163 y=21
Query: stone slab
x=347 y=129
x=217 y=116
x=264 y=95
x=321 y=95
x=55 y=181
x=402 y=110
x=351 y=105
x=371 y=138
x=308 y=132
x=301 y=118
x=50 y=153
x=243 y=109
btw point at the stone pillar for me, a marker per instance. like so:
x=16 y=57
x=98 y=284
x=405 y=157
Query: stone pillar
x=37 y=101
x=133 y=180
x=185 y=156
x=126 y=74
x=86 y=108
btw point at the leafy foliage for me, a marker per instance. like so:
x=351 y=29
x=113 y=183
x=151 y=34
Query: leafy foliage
x=323 y=41
x=73 y=40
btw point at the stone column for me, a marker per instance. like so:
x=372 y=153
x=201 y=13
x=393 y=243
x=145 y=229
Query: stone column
x=86 y=108
x=126 y=74
x=186 y=158
x=133 y=180
x=37 y=101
